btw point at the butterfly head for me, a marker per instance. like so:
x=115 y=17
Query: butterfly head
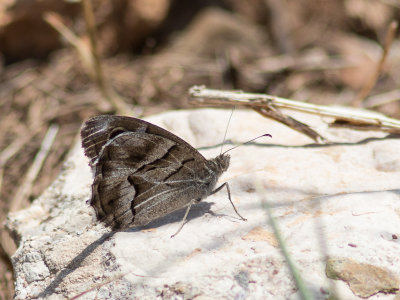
x=222 y=162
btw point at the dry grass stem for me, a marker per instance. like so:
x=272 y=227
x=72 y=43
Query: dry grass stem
x=280 y=26
x=9 y=152
x=89 y=56
x=391 y=32
x=277 y=115
x=55 y=21
x=109 y=94
x=21 y=197
x=382 y=99
x=348 y=117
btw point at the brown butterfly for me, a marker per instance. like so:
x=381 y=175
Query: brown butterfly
x=143 y=172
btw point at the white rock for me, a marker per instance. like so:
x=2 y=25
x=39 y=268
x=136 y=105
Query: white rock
x=338 y=200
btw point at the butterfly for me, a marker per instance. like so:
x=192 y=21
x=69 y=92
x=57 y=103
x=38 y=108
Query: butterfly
x=143 y=172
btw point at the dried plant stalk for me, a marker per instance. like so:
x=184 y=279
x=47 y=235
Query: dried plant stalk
x=348 y=117
x=390 y=35
x=21 y=197
x=90 y=57
x=277 y=115
x=382 y=99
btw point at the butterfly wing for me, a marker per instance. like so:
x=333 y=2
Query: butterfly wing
x=141 y=171
x=99 y=130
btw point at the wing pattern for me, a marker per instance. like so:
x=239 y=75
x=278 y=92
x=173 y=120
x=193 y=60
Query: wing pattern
x=141 y=171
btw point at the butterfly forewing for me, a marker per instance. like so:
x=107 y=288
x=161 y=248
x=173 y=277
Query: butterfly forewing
x=97 y=131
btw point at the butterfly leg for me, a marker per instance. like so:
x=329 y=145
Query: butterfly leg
x=229 y=196
x=184 y=218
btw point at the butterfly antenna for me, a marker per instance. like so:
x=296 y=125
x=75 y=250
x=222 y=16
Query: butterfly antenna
x=266 y=134
x=226 y=130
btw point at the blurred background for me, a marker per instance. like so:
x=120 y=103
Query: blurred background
x=64 y=61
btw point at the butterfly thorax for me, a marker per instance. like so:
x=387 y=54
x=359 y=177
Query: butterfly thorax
x=214 y=169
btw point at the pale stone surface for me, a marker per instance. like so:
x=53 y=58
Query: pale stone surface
x=340 y=200
x=363 y=279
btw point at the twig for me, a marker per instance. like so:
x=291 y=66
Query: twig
x=382 y=99
x=374 y=77
x=55 y=21
x=364 y=119
x=267 y=109
x=112 y=97
x=7 y=244
x=21 y=197
x=306 y=61
x=9 y=152
x=89 y=57
x=279 y=25
x=277 y=115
